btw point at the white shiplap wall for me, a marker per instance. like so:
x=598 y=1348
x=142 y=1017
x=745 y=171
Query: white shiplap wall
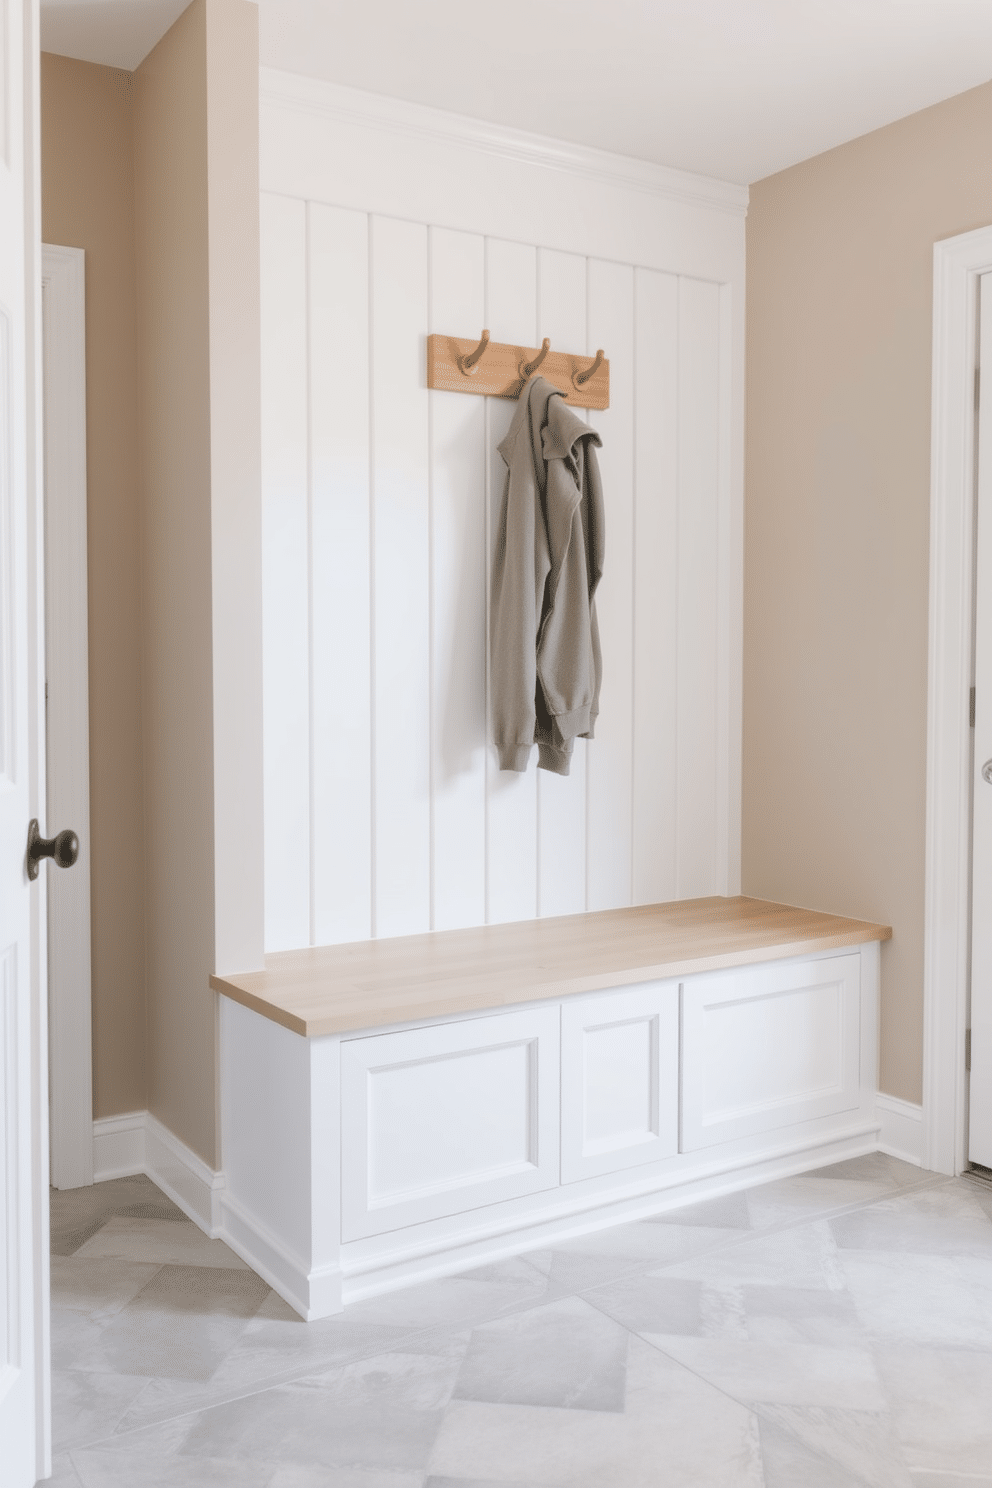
x=385 y=812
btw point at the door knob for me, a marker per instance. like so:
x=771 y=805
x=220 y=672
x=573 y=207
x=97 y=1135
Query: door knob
x=987 y=772
x=64 y=848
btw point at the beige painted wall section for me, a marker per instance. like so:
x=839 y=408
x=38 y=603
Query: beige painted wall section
x=839 y=306
x=170 y=156
x=88 y=202
x=196 y=156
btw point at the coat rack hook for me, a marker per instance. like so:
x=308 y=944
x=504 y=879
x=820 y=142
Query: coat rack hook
x=580 y=378
x=469 y=363
x=529 y=368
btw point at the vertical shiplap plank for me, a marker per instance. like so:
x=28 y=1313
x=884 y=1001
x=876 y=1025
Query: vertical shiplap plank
x=458 y=598
x=285 y=573
x=699 y=599
x=609 y=756
x=401 y=564
x=561 y=800
x=340 y=616
x=511 y=315
x=656 y=579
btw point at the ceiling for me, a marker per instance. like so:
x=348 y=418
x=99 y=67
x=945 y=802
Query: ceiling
x=736 y=89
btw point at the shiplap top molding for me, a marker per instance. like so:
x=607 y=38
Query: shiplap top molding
x=395 y=116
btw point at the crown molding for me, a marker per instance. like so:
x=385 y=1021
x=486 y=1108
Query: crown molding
x=294 y=92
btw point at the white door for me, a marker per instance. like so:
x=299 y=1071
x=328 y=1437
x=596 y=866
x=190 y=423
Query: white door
x=980 y=1122
x=23 y=1097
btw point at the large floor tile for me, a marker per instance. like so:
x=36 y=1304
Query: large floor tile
x=294 y=1476
x=939 y=1399
x=648 y=1242
x=782 y=1315
x=161 y=1241
x=949 y=1480
x=574 y=1271
x=73 y=1335
x=675 y=1430
x=947 y=1221
x=816 y=1448
x=181 y=1325
x=455 y=1301
x=653 y=1304
x=807 y=1197
x=381 y=1413
x=434 y=1482
x=785 y=1374
x=64 y=1474
x=77 y=1213
x=100 y=1468
x=88 y=1407
x=804 y=1256
x=873 y=1167
x=565 y=1354
x=922 y=1299
x=98 y=1286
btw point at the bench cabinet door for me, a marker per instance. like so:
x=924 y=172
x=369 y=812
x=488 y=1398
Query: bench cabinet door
x=619 y=1079
x=440 y=1120
x=764 y=1047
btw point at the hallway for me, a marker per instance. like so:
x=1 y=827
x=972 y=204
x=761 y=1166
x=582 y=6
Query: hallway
x=827 y=1330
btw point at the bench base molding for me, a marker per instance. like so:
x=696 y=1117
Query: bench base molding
x=469 y=1243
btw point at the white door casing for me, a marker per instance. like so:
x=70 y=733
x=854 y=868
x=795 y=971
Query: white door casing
x=980 y=1103
x=67 y=673
x=24 y=1369
x=959 y=262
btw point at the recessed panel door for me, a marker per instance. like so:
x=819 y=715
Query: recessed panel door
x=23 y=1162
x=619 y=1079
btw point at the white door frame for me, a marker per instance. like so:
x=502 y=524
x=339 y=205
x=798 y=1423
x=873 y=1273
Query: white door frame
x=67 y=663
x=958 y=264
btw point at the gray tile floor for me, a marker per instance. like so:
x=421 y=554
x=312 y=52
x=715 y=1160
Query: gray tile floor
x=821 y=1331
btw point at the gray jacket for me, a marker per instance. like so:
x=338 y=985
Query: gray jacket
x=544 y=639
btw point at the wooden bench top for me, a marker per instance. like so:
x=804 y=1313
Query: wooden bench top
x=375 y=983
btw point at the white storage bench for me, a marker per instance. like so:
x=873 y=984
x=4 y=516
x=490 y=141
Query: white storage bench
x=397 y=1109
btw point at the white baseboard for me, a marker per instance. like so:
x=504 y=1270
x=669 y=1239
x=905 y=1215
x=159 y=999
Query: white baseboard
x=901 y=1133
x=369 y=1273
x=314 y=1294
x=139 y=1143
x=119 y=1146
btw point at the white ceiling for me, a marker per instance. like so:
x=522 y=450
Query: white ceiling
x=730 y=88
x=119 y=33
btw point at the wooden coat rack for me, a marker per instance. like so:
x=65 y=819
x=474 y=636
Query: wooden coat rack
x=500 y=371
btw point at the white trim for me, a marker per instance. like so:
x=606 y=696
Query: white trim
x=958 y=263
x=392 y=115
x=67 y=673
x=118 y=1146
x=313 y=1293
x=139 y=1143
x=901 y=1133
x=488 y=1239
x=184 y=1176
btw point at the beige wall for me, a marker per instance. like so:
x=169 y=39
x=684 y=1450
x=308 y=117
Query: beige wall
x=155 y=174
x=88 y=202
x=170 y=152
x=196 y=238
x=836 y=545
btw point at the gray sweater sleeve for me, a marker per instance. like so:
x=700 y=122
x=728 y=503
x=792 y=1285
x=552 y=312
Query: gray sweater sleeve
x=513 y=623
x=520 y=567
